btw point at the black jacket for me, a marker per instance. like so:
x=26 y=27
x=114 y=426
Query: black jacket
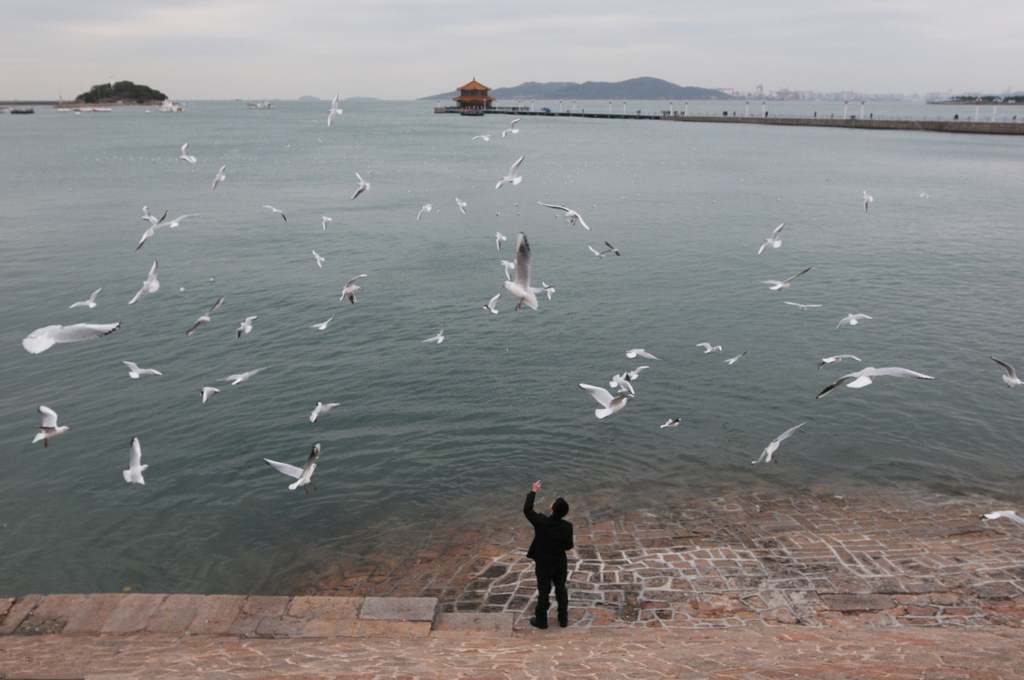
x=552 y=537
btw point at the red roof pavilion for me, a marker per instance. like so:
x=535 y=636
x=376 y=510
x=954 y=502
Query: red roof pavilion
x=474 y=96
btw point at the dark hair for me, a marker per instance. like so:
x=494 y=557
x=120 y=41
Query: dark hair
x=559 y=508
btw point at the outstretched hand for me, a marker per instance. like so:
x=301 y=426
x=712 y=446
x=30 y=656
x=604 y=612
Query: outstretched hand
x=536 y=486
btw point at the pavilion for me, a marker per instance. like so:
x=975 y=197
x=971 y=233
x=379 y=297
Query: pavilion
x=474 y=96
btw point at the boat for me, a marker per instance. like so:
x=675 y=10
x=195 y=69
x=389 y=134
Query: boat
x=29 y=110
x=261 y=105
x=170 y=106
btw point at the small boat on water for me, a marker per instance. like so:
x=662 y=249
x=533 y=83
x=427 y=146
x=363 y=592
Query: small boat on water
x=28 y=110
x=261 y=105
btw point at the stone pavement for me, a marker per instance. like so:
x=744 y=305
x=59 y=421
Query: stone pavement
x=816 y=558
x=752 y=653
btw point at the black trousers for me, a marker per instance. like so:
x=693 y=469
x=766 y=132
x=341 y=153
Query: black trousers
x=548 y=575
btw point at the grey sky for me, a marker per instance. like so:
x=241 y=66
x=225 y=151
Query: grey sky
x=225 y=49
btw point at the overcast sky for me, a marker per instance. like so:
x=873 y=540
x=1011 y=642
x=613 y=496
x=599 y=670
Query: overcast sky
x=394 y=49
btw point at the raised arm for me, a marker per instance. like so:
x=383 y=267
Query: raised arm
x=528 y=506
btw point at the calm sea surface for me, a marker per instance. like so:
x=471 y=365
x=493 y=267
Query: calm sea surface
x=429 y=432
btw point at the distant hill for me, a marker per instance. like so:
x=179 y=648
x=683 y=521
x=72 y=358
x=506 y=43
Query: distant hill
x=635 y=88
x=125 y=90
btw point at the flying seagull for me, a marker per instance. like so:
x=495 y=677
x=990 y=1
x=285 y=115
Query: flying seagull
x=520 y=287
x=509 y=267
x=205 y=318
x=868 y=200
x=150 y=285
x=245 y=327
x=1010 y=378
x=571 y=216
x=461 y=204
x=320 y=408
x=275 y=210
x=491 y=306
x=486 y=138
x=595 y=252
x=133 y=475
x=302 y=475
x=634 y=353
x=335 y=111
x=865 y=377
x=608 y=403
x=836 y=359
x=319 y=259
x=238 y=378
x=208 y=392
x=783 y=285
x=736 y=358
x=671 y=422
x=350 y=290
x=220 y=176
x=159 y=225
x=511 y=129
x=49 y=427
x=550 y=290
x=511 y=178
x=766 y=455
x=185 y=155
x=611 y=249
x=427 y=208
x=439 y=338
x=851 y=319
x=774 y=241
x=149 y=218
x=134 y=371
x=324 y=220
x=708 y=349
x=498 y=238
x=322 y=326
x=90 y=303
x=46 y=337
x=802 y=307
x=1008 y=514
x=363 y=186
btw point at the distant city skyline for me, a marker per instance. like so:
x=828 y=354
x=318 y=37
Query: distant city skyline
x=394 y=49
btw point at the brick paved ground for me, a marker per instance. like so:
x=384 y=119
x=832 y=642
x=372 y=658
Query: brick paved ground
x=817 y=558
x=754 y=653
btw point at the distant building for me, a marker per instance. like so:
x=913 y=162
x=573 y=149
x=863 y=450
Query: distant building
x=474 y=96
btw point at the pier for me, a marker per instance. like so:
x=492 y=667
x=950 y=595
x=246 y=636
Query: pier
x=935 y=125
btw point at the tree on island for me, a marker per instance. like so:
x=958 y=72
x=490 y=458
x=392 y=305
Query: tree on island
x=124 y=90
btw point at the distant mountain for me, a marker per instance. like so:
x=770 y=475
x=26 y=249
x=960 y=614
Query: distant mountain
x=634 y=89
x=124 y=90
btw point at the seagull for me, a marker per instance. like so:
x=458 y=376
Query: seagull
x=133 y=475
x=866 y=376
x=851 y=319
x=1010 y=378
x=150 y=218
x=836 y=359
x=1008 y=514
x=320 y=408
x=708 y=349
x=634 y=353
x=49 y=427
x=44 y=338
x=802 y=307
x=775 y=241
x=322 y=326
x=509 y=267
x=511 y=129
x=635 y=373
x=220 y=176
x=923 y=195
x=172 y=224
x=134 y=371
x=868 y=199
x=350 y=290
x=324 y=220
x=671 y=422
x=511 y=178
x=237 y=378
x=90 y=303
x=275 y=210
x=520 y=287
x=491 y=305
x=246 y=327
x=766 y=455
x=498 y=238
x=550 y=290
x=335 y=111
x=783 y=285
x=208 y=392
x=611 y=249
x=623 y=384
x=439 y=338
x=609 y=403
x=185 y=155
x=319 y=259
x=486 y=138
x=599 y=254
x=736 y=358
x=461 y=204
x=205 y=318
x=150 y=285
x=302 y=475
x=571 y=216
x=363 y=186
x=427 y=208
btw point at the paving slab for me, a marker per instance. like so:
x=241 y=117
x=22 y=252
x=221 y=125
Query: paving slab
x=18 y=612
x=475 y=623
x=216 y=615
x=399 y=608
x=132 y=613
x=91 y=615
x=50 y=615
x=329 y=608
x=175 y=614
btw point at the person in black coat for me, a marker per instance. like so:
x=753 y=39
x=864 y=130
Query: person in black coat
x=552 y=538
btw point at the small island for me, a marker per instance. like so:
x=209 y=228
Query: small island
x=122 y=92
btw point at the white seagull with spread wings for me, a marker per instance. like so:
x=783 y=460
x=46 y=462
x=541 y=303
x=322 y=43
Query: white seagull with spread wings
x=766 y=455
x=865 y=377
x=512 y=177
x=302 y=475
